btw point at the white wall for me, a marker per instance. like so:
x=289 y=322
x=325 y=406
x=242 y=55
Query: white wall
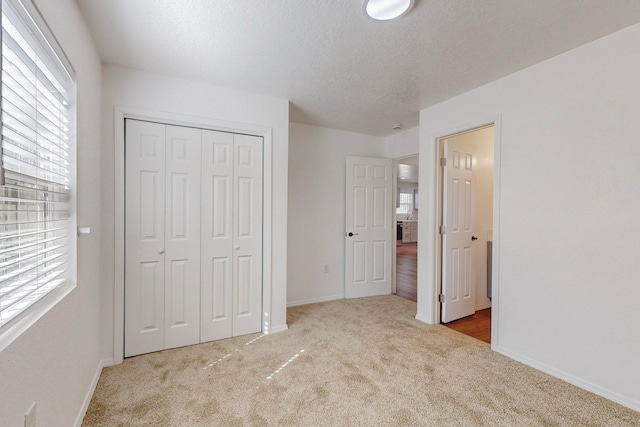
x=134 y=89
x=482 y=141
x=402 y=144
x=568 y=211
x=55 y=362
x=317 y=208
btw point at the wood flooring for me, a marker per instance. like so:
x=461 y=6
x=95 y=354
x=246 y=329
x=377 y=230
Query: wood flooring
x=477 y=325
x=407 y=271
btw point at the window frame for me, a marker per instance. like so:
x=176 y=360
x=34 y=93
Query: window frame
x=21 y=322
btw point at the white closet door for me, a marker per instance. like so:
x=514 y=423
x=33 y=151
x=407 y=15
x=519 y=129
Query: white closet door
x=144 y=238
x=231 y=253
x=247 y=235
x=182 y=237
x=217 y=236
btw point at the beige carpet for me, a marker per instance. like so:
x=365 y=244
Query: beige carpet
x=364 y=362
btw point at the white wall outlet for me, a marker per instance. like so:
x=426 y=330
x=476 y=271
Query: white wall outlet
x=325 y=268
x=30 y=416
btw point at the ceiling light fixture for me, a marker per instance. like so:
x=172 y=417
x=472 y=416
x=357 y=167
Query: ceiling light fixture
x=384 y=10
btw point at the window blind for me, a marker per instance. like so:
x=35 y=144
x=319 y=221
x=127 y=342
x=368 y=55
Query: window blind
x=36 y=171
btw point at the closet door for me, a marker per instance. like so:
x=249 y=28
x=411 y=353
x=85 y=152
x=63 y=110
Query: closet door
x=162 y=237
x=247 y=235
x=231 y=245
x=217 y=236
x=182 y=237
x=144 y=238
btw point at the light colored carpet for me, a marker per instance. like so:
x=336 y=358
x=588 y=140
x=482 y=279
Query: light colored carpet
x=363 y=362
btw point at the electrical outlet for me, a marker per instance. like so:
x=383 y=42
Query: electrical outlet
x=30 y=416
x=325 y=269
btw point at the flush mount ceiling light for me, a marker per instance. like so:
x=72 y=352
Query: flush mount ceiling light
x=384 y=10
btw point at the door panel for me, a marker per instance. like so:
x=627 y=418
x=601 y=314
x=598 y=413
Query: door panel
x=217 y=236
x=149 y=308
x=247 y=240
x=245 y=286
x=144 y=238
x=177 y=293
x=368 y=217
x=182 y=247
x=457 y=244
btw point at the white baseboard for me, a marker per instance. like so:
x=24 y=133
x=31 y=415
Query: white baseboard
x=483 y=306
x=586 y=385
x=94 y=382
x=279 y=328
x=314 y=300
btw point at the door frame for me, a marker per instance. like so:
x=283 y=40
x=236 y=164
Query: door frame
x=121 y=113
x=436 y=214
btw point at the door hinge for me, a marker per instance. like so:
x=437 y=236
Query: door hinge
x=443 y=230
x=441 y=298
x=443 y=161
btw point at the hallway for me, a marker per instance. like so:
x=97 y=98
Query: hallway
x=407 y=271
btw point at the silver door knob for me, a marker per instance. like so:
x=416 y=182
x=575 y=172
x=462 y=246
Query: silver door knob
x=160 y=251
x=237 y=248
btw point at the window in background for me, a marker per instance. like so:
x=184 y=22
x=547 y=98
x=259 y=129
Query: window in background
x=406 y=204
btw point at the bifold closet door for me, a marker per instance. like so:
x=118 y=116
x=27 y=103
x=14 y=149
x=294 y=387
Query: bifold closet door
x=231 y=241
x=162 y=237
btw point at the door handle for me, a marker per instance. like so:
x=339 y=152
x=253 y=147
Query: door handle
x=474 y=238
x=350 y=234
x=160 y=251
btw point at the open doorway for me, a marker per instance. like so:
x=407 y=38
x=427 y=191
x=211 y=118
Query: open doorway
x=466 y=203
x=406 y=212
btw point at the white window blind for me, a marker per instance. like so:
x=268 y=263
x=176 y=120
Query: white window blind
x=36 y=170
x=406 y=203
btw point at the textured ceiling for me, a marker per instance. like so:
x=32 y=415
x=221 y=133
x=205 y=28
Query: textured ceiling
x=408 y=169
x=338 y=68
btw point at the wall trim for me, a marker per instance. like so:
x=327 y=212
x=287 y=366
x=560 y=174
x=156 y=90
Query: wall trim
x=315 y=300
x=92 y=388
x=279 y=328
x=483 y=306
x=571 y=379
x=125 y=112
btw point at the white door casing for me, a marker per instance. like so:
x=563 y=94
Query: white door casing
x=369 y=226
x=458 y=221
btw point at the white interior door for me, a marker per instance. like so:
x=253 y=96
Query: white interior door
x=182 y=237
x=193 y=236
x=162 y=237
x=217 y=236
x=231 y=244
x=457 y=243
x=369 y=227
x=247 y=236
x=144 y=238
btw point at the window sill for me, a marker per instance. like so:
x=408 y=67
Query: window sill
x=23 y=321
